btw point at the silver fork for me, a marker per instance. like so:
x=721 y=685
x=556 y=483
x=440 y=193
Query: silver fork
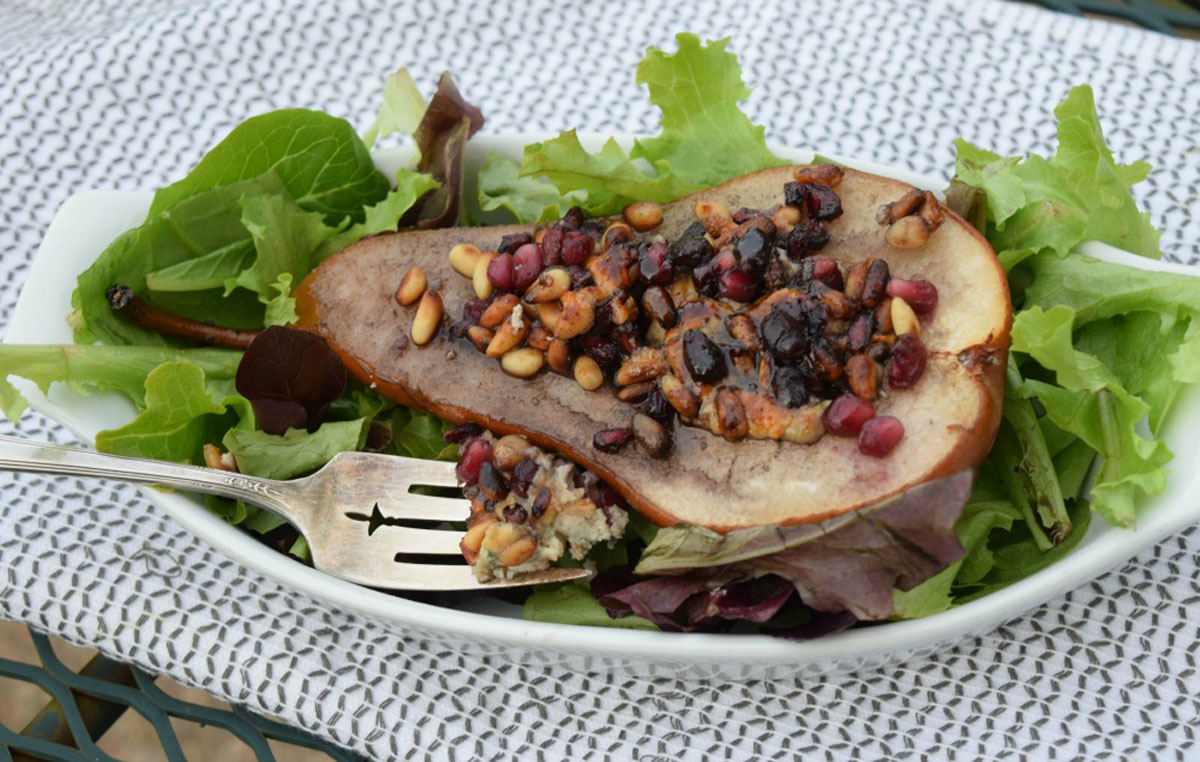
x=353 y=512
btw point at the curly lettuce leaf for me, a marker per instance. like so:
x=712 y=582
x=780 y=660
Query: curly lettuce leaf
x=573 y=603
x=1080 y=193
x=319 y=158
x=705 y=139
x=529 y=199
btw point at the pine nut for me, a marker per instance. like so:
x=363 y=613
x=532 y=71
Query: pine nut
x=904 y=320
x=501 y=536
x=908 y=233
x=523 y=362
x=643 y=215
x=473 y=539
x=588 y=373
x=480 y=336
x=578 y=314
x=517 y=553
x=539 y=338
x=548 y=314
x=863 y=376
x=731 y=414
x=681 y=398
x=821 y=174
x=786 y=218
x=479 y=278
x=463 y=258
x=705 y=209
x=509 y=335
x=624 y=308
x=508 y=451
x=549 y=286
x=644 y=364
x=412 y=286
x=559 y=356
x=617 y=232
x=635 y=393
x=428 y=318
x=497 y=312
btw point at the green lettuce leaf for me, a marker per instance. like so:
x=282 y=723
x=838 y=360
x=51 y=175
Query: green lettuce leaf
x=285 y=238
x=383 y=216
x=180 y=417
x=704 y=140
x=403 y=107
x=208 y=222
x=94 y=368
x=296 y=452
x=207 y=271
x=573 y=603
x=419 y=435
x=530 y=199
x=319 y=158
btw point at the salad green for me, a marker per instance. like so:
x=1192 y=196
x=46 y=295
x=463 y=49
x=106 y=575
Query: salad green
x=1099 y=350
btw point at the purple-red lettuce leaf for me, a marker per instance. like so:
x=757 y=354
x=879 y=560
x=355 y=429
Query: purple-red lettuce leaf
x=441 y=137
x=701 y=601
x=850 y=562
x=290 y=377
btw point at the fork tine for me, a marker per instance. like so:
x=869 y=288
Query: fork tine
x=426 y=541
x=428 y=507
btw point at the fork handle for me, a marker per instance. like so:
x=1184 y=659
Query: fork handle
x=18 y=454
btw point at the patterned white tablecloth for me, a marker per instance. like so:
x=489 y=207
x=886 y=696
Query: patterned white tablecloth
x=127 y=94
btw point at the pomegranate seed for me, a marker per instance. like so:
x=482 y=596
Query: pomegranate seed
x=827 y=271
x=879 y=436
x=577 y=247
x=783 y=335
x=500 y=272
x=552 y=243
x=656 y=406
x=513 y=241
x=921 y=295
x=861 y=330
x=572 y=219
x=908 y=361
x=474 y=455
x=846 y=415
x=707 y=277
x=703 y=358
x=739 y=285
x=691 y=249
x=462 y=433
x=653 y=267
x=527 y=265
x=602 y=494
x=522 y=476
x=752 y=249
x=612 y=440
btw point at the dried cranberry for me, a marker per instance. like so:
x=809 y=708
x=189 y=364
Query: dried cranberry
x=908 y=361
x=603 y=495
x=822 y=202
x=602 y=350
x=500 y=272
x=541 y=503
x=794 y=194
x=752 y=250
x=515 y=514
x=703 y=358
x=581 y=277
x=739 y=285
x=493 y=484
x=522 y=476
x=602 y=321
x=691 y=249
x=656 y=406
x=513 y=241
x=471 y=460
x=627 y=338
x=612 y=440
x=921 y=295
x=783 y=335
x=846 y=415
x=577 y=247
x=879 y=436
x=745 y=213
x=827 y=271
x=875 y=283
x=473 y=310
x=653 y=267
x=572 y=219
x=805 y=238
x=659 y=306
x=552 y=241
x=462 y=433
x=775 y=276
x=861 y=330
x=809 y=312
x=789 y=386
x=527 y=266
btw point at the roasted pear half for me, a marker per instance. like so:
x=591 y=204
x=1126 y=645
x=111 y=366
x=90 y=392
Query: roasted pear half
x=950 y=415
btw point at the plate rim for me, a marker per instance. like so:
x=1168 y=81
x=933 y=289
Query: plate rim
x=1110 y=547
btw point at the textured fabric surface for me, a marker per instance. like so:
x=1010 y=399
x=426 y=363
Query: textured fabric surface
x=128 y=94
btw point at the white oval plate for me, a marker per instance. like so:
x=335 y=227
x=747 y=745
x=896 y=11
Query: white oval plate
x=88 y=221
